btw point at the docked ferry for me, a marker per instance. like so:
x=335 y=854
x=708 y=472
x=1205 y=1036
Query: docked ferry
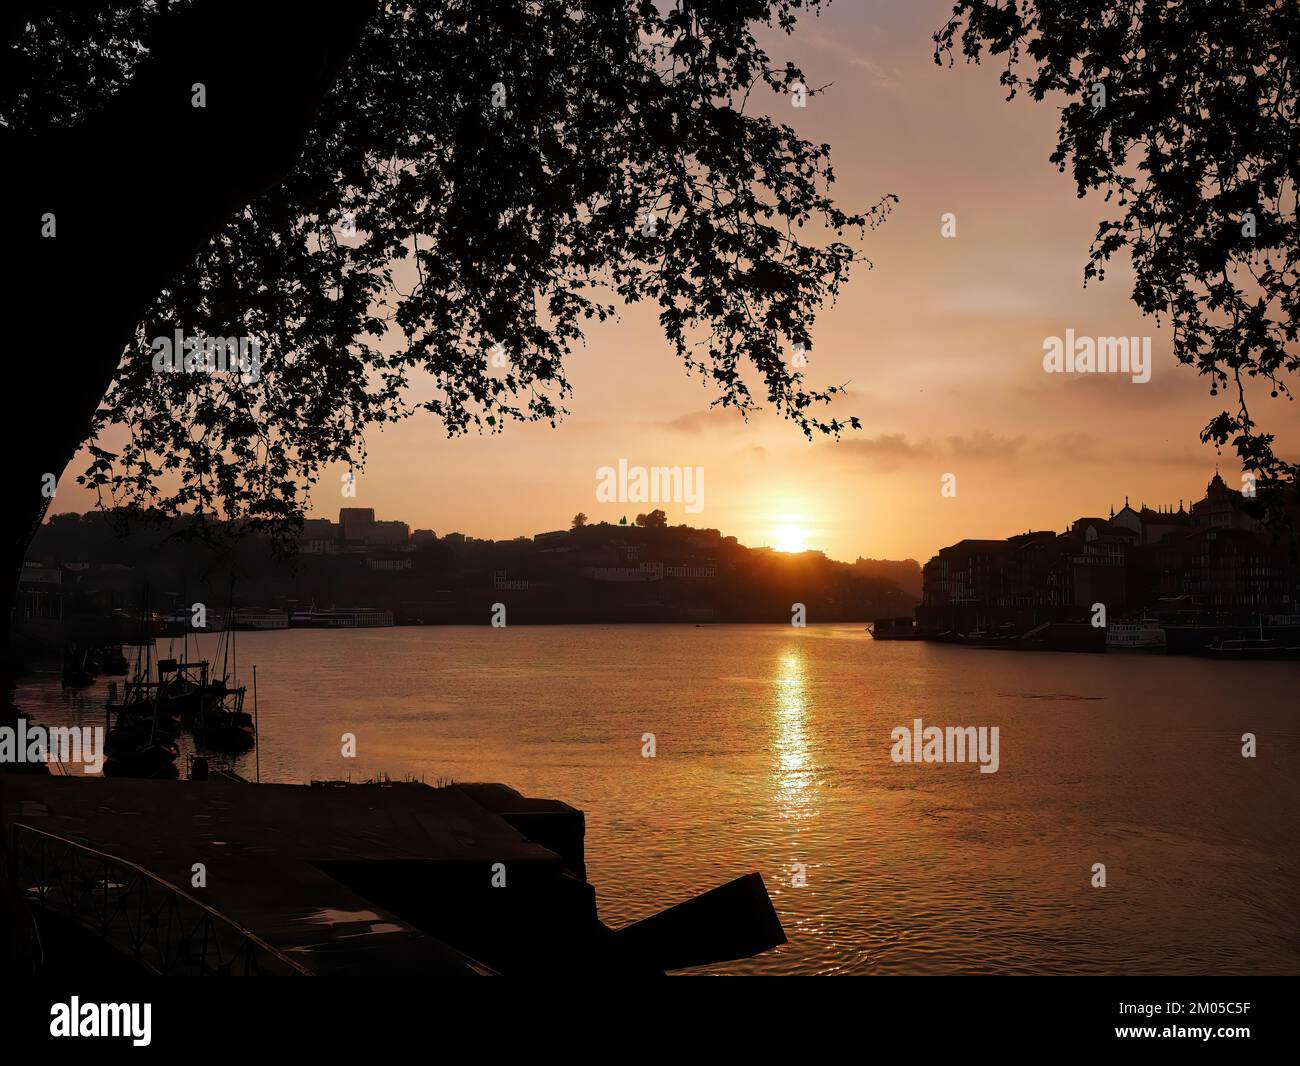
x=261 y=618
x=1144 y=635
x=341 y=618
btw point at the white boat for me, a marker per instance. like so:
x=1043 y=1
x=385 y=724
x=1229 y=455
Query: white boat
x=261 y=618
x=1144 y=635
x=341 y=618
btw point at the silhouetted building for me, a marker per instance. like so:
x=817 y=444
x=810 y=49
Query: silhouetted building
x=356 y=524
x=1212 y=561
x=1222 y=508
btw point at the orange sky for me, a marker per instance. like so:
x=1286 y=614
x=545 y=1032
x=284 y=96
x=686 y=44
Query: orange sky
x=941 y=345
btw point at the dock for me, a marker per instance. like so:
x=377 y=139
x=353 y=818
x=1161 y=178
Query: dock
x=337 y=879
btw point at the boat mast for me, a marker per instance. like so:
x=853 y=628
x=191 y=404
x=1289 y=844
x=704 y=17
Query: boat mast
x=257 y=732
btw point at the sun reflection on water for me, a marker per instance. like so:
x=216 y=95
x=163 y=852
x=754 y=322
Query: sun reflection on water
x=795 y=771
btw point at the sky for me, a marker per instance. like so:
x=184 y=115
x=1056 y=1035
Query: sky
x=940 y=345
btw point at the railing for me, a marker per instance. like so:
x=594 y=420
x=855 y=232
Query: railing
x=159 y=926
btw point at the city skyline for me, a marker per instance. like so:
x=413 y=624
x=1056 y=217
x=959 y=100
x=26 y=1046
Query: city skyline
x=1169 y=503
x=1180 y=503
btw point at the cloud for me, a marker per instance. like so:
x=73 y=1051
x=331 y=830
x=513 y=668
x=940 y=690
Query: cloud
x=888 y=451
x=984 y=445
x=1171 y=385
x=892 y=451
x=882 y=75
x=702 y=420
x=1190 y=461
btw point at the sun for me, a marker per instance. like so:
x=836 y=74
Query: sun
x=790 y=537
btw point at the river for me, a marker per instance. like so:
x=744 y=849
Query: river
x=772 y=752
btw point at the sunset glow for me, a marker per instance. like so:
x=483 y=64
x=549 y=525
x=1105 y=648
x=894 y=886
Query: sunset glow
x=790 y=537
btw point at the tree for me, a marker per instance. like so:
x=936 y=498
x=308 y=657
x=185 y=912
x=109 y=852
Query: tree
x=579 y=520
x=405 y=206
x=1187 y=115
x=656 y=519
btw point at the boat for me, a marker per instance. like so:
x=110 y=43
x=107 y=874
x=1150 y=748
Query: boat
x=1198 y=639
x=260 y=618
x=76 y=669
x=222 y=724
x=142 y=740
x=1003 y=637
x=341 y=618
x=108 y=659
x=138 y=691
x=1146 y=634
x=181 y=687
x=1046 y=636
x=1252 y=648
x=181 y=623
x=894 y=629
x=131 y=751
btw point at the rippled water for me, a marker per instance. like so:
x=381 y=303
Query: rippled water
x=773 y=749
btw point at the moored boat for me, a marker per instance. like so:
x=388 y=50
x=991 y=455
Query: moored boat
x=894 y=629
x=1143 y=635
x=1252 y=649
x=222 y=724
x=341 y=618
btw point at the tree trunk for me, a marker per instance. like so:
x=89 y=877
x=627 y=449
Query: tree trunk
x=135 y=191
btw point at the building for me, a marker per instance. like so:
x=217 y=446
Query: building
x=1222 y=508
x=1213 y=561
x=502 y=582
x=1152 y=525
x=1099 y=552
x=356 y=524
x=1234 y=573
x=702 y=570
x=358 y=527
x=320 y=529
x=625 y=574
x=390 y=534
x=40 y=592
